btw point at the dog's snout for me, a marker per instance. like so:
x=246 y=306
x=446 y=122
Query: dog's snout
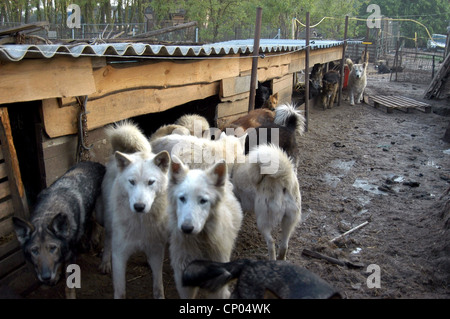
x=139 y=207
x=46 y=275
x=187 y=229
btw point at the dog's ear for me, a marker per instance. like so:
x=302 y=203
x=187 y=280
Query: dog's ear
x=122 y=160
x=218 y=174
x=365 y=64
x=162 y=160
x=60 y=226
x=23 y=229
x=177 y=170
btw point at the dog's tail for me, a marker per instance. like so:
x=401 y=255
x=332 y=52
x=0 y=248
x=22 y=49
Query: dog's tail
x=127 y=137
x=271 y=161
x=211 y=275
x=287 y=115
x=349 y=62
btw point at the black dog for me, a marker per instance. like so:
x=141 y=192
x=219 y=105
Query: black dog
x=257 y=279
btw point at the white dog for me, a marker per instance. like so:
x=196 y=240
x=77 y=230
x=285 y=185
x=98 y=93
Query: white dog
x=202 y=152
x=357 y=81
x=205 y=218
x=267 y=185
x=135 y=216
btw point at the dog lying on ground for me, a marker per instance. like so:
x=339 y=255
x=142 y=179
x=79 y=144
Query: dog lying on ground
x=59 y=220
x=205 y=218
x=135 y=217
x=259 y=279
x=357 y=81
x=267 y=185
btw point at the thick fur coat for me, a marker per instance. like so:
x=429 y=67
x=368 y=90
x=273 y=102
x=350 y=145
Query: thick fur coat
x=135 y=202
x=267 y=185
x=205 y=218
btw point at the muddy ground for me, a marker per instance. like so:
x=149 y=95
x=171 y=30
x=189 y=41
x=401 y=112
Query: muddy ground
x=358 y=164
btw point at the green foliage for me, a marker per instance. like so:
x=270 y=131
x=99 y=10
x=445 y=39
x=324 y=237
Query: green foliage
x=225 y=19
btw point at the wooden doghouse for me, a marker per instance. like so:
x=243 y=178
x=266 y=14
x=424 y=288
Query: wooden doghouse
x=42 y=89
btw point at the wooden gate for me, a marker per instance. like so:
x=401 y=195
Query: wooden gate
x=15 y=274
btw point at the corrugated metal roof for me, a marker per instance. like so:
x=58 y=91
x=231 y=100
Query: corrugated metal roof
x=17 y=52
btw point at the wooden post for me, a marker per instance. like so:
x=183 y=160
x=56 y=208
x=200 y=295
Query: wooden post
x=254 y=75
x=341 y=75
x=307 y=73
x=366 y=47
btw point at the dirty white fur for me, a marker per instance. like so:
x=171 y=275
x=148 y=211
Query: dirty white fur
x=267 y=185
x=195 y=123
x=205 y=218
x=202 y=152
x=135 y=216
x=357 y=81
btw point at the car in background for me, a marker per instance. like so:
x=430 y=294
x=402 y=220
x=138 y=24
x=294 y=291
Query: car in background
x=436 y=42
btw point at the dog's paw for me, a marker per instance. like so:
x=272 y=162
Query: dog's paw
x=105 y=267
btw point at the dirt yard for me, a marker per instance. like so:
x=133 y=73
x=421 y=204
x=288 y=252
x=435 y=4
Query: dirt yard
x=358 y=164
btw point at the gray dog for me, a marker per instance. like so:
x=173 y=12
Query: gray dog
x=58 y=222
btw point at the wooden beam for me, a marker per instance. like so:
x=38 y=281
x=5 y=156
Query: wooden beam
x=158 y=75
x=231 y=108
x=122 y=105
x=234 y=85
x=29 y=80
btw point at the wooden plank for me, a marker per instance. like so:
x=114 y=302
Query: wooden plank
x=282 y=83
x=270 y=60
x=400 y=103
x=11 y=262
x=236 y=97
x=6 y=209
x=6 y=227
x=22 y=280
x=24 y=27
x=15 y=184
x=3 y=170
x=59 y=154
x=234 y=85
x=231 y=108
x=111 y=108
x=8 y=144
x=158 y=75
x=272 y=72
x=285 y=95
x=9 y=243
x=29 y=80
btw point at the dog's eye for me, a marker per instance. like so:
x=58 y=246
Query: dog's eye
x=182 y=199
x=35 y=251
x=132 y=182
x=150 y=182
x=203 y=201
x=52 y=248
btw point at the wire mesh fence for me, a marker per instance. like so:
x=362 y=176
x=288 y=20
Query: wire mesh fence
x=412 y=65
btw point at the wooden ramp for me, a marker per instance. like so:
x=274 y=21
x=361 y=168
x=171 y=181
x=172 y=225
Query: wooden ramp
x=400 y=103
